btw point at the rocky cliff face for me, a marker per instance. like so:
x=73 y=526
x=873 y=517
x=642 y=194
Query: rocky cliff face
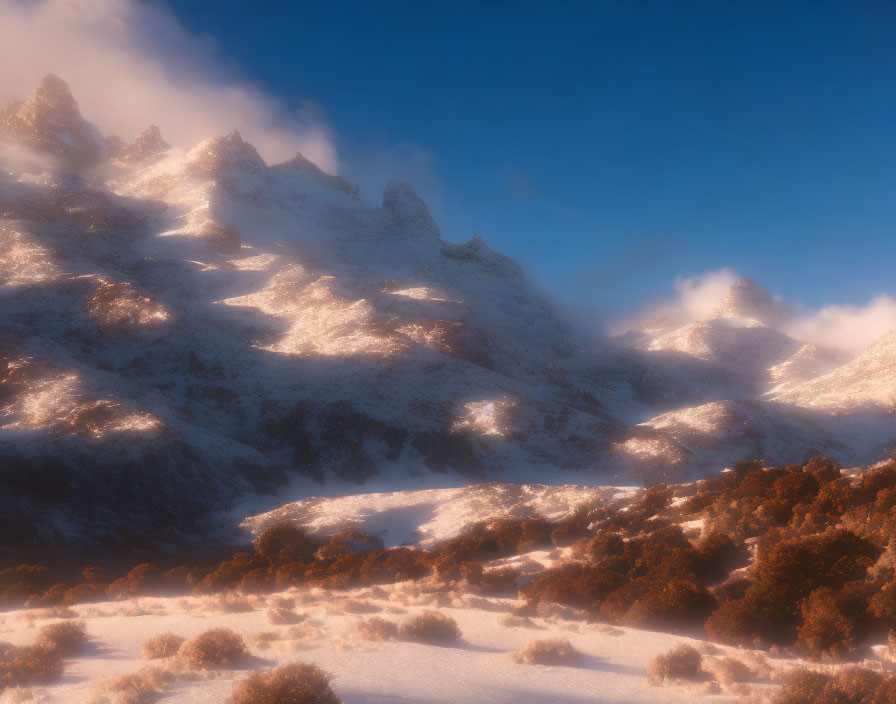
x=180 y=328
x=49 y=122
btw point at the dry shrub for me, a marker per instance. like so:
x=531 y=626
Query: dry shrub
x=85 y=594
x=728 y=670
x=24 y=666
x=681 y=663
x=138 y=687
x=257 y=581
x=163 y=645
x=285 y=542
x=284 y=617
x=430 y=627
x=376 y=628
x=64 y=638
x=142 y=580
x=54 y=596
x=294 y=683
x=851 y=685
x=835 y=622
x=549 y=651
x=218 y=647
x=19 y=583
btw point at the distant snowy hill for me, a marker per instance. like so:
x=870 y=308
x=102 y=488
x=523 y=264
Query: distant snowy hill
x=868 y=383
x=180 y=328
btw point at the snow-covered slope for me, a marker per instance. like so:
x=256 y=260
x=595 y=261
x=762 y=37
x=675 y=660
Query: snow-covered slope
x=737 y=385
x=202 y=313
x=866 y=383
x=430 y=516
x=479 y=668
x=191 y=325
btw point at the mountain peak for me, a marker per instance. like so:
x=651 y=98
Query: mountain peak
x=408 y=210
x=148 y=145
x=56 y=92
x=301 y=164
x=219 y=155
x=748 y=299
x=50 y=122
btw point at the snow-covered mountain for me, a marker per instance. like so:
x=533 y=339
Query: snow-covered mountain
x=180 y=328
x=868 y=382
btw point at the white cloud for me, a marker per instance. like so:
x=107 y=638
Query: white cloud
x=845 y=327
x=132 y=64
x=700 y=295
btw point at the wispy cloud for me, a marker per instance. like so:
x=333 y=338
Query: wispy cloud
x=700 y=295
x=845 y=327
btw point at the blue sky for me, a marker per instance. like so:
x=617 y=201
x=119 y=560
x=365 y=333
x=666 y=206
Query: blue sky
x=610 y=146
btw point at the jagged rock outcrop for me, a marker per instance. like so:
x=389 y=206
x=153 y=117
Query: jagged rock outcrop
x=49 y=122
x=148 y=146
x=747 y=299
x=221 y=156
x=300 y=164
x=408 y=212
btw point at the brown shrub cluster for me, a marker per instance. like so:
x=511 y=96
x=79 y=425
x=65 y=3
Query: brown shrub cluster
x=28 y=665
x=683 y=662
x=430 y=627
x=489 y=541
x=785 y=574
x=164 y=645
x=426 y=627
x=20 y=582
x=216 y=648
x=41 y=662
x=377 y=629
x=140 y=687
x=283 y=556
x=818 y=533
x=852 y=685
x=655 y=581
x=63 y=638
x=294 y=683
x=728 y=670
x=548 y=651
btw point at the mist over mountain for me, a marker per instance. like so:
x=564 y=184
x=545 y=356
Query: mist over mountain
x=183 y=327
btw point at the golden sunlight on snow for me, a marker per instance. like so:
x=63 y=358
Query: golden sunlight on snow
x=23 y=262
x=487 y=417
x=422 y=293
x=319 y=321
x=58 y=401
x=117 y=303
